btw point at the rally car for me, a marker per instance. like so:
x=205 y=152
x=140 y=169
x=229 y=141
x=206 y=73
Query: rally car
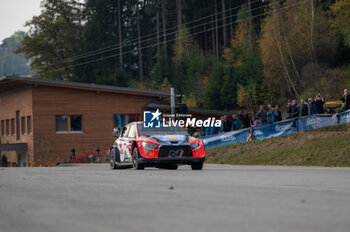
x=164 y=147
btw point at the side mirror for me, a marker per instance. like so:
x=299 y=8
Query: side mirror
x=116 y=132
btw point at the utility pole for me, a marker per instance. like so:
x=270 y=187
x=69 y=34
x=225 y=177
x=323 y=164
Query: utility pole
x=172 y=103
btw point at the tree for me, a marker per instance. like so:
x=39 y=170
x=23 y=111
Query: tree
x=213 y=92
x=341 y=19
x=11 y=63
x=53 y=36
x=139 y=42
x=295 y=42
x=164 y=27
x=240 y=67
x=120 y=34
x=223 y=6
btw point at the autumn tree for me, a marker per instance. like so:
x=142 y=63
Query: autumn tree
x=341 y=19
x=53 y=37
x=296 y=47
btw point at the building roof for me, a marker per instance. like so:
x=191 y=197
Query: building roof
x=10 y=82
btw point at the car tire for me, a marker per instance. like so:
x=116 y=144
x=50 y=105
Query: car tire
x=113 y=165
x=197 y=166
x=135 y=160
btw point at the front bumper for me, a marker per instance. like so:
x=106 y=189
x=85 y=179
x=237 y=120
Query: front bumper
x=151 y=162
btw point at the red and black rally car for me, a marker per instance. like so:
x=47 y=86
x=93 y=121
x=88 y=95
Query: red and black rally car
x=163 y=147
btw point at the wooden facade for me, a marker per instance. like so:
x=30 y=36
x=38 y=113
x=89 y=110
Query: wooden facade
x=35 y=106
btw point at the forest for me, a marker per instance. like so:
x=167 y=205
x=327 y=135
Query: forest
x=221 y=54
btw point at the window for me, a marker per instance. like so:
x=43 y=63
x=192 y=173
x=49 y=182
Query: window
x=23 y=125
x=119 y=120
x=29 y=124
x=62 y=123
x=132 y=132
x=18 y=126
x=68 y=123
x=7 y=127
x=125 y=132
x=75 y=122
x=2 y=127
x=12 y=126
x=133 y=117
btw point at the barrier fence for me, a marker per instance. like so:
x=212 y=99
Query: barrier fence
x=276 y=129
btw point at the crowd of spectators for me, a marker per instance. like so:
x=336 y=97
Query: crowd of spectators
x=273 y=114
x=247 y=119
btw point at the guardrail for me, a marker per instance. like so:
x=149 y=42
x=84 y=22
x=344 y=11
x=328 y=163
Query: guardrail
x=276 y=129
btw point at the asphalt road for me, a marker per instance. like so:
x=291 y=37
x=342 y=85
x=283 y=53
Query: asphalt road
x=219 y=198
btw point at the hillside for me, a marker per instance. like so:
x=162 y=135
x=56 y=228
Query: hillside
x=329 y=146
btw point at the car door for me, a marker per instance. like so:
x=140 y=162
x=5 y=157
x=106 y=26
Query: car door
x=130 y=136
x=121 y=144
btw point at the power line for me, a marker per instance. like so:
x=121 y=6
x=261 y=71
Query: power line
x=118 y=46
x=195 y=33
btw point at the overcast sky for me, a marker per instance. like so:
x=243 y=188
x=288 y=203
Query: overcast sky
x=14 y=14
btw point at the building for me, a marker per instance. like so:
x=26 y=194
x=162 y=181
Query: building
x=42 y=121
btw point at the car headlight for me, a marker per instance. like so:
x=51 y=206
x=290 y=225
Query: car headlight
x=150 y=145
x=195 y=145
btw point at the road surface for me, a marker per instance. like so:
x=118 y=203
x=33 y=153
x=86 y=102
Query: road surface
x=219 y=198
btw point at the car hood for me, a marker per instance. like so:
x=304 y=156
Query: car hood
x=170 y=139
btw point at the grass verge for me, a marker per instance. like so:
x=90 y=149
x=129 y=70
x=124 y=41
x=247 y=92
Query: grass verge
x=329 y=146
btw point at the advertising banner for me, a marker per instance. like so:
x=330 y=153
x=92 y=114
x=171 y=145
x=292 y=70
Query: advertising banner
x=315 y=121
x=276 y=129
x=232 y=137
x=343 y=117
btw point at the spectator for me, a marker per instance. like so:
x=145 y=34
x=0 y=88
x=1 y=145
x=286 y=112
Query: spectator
x=269 y=107
x=289 y=110
x=319 y=102
x=312 y=107
x=254 y=122
x=250 y=118
x=236 y=124
x=262 y=115
x=346 y=100
x=245 y=119
x=304 y=108
x=270 y=115
x=226 y=124
x=215 y=130
x=277 y=114
x=295 y=111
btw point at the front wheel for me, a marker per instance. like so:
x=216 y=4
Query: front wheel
x=135 y=160
x=197 y=166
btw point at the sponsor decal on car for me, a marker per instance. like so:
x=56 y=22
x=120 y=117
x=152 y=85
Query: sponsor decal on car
x=171 y=138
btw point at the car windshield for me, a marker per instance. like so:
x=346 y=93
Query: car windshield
x=160 y=131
